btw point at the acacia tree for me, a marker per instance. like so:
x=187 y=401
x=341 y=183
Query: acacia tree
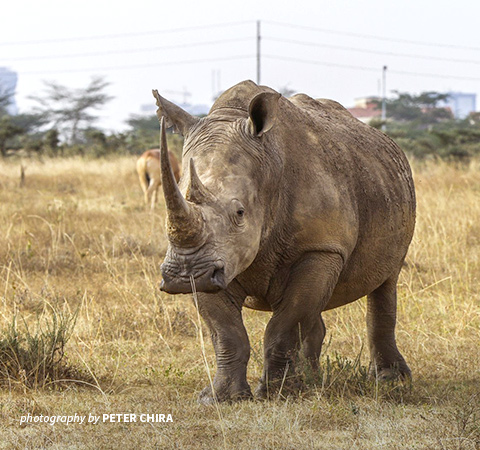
x=4 y=100
x=423 y=108
x=70 y=110
x=8 y=130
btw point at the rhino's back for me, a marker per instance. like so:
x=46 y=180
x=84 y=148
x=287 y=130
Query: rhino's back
x=349 y=149
x=377 y=192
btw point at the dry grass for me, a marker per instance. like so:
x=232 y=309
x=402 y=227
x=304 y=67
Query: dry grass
x=76 y=239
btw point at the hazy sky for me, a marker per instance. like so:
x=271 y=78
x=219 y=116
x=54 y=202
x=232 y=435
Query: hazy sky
x=331 y=49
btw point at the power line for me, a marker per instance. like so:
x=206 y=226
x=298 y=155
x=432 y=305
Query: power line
x=375 y=52
x=370 y=36
x=243 y=57
x=239 y=23
x=138 y=66
x=230 y=58
x=246 y=39
x=321 y=63
x=229 y=41
x=127 y=51
x=122 y=35
x=434 y=75
x=369 y=69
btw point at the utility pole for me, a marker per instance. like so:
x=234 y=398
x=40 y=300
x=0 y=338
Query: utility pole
x=258 y=51
x=384 y=100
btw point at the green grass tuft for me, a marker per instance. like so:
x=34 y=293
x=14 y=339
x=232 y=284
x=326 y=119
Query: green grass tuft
x=33 y=356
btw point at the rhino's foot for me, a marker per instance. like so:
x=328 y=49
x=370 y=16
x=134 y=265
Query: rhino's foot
x=397 y=371
x=278 y=388
x=225 y=393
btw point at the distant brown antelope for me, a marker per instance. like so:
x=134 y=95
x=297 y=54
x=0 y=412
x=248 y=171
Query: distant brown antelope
x=148 y=169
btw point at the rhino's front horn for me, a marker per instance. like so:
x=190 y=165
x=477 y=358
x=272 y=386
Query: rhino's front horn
x=185 y=225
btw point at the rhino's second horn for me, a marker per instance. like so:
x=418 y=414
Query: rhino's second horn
x=196 y=191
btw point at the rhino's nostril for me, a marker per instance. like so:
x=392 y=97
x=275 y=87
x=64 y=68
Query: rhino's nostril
x=165 y=280
x=218 y=278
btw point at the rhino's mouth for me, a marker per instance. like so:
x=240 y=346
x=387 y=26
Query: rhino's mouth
x=182 y=282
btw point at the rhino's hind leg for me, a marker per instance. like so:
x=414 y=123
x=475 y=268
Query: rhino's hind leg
x=232 y=348
x=387 y=363
x=297 y=324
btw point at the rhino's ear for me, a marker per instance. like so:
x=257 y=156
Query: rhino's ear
x=174 y=115
x=263 y=112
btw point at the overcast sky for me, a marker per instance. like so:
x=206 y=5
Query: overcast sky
x=330 y=49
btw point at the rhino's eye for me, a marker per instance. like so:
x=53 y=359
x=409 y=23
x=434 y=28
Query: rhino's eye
x=237 y=214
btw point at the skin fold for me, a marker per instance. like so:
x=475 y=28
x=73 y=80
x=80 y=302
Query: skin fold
x=290 y=206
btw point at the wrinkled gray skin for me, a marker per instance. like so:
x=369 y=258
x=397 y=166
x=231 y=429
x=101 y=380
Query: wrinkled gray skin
x=291 y=206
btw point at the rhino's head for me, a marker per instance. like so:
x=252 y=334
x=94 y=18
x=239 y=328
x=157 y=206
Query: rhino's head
x=216 y=215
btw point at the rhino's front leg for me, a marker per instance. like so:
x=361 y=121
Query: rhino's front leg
x=222 y=314
x=297 y=323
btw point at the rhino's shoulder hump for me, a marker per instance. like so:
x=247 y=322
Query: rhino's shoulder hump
x=320 y=107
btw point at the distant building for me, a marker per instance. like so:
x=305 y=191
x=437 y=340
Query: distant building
x=366 y=109
x=461 y=104
x=8 y=84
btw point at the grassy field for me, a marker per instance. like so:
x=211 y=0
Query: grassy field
x=79 y=264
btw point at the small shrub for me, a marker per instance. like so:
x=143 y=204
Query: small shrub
x=343 y=378
x=340 y=376
x=33 y=359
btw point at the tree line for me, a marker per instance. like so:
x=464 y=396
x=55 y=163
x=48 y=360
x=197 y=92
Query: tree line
x=62 y=123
